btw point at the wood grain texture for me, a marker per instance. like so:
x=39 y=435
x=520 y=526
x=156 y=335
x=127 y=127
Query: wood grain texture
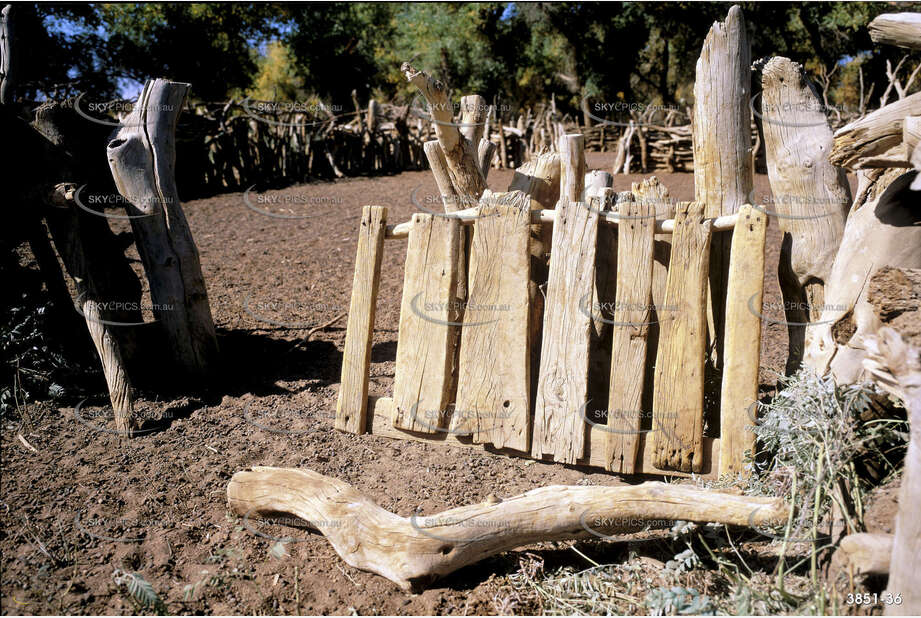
x=742 y=349
x=141 y=156
x=423 y=383
x=352 y=405
x=722 y=147
x=460 y=154
x=493 y=395
x=380 y=423
x=678 y=399
x=876 y=140
x=559 y=429
x=810 y=196
x=899 y=29
x=896 y=367
x=415 y=551
x=632 y=313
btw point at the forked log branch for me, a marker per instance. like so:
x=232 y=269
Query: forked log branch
x=414 y=551
x=460 y=153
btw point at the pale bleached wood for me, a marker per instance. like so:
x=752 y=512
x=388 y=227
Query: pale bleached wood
x=474 y=111
x=485 y=154
x=460 y=153
x=142 y=158
x=722 y=147
x=883 y=228
x=470 y=215
x=899 y=29
x=876 y=140
x=810 y=195
x=380 y=412
x=562 y=388
x=439 y=167
x=896 y=367
x=414 y=552
x=678 y=398
x=493 y=394
x=423 y=383
x=632 y=313
x=742 y=349
x=865 y=553
x=539 y=179
x=911 y=135
x=652 y=191
x=352 y=405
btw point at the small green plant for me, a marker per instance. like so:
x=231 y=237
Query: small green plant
x=678 y=601
x=140 y=590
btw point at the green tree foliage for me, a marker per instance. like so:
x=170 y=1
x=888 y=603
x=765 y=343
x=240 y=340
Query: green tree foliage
x=517 y=54
x=278 y=79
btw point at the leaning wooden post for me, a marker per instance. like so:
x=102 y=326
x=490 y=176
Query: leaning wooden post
x=742 y=348
x=142 y=157
x=722 y=148
x=71 y=240
x=810 y=195
x=352 y=406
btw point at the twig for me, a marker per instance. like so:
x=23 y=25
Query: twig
x=315 y=329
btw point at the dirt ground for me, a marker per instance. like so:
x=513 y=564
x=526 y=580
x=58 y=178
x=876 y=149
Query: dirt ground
x=83 y=504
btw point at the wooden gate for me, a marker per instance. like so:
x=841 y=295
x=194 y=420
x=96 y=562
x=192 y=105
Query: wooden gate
x=467 y=371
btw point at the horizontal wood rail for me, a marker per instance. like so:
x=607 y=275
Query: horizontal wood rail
x=468 y=216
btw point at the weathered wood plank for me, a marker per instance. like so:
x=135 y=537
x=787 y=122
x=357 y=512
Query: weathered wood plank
x=562 y=387
x=632 y=311
x=562 y=390
x=493 y=396
x=678 y=399
x=423 y=384
x=742 y=351
x=722 y=146
x=352 y=406
x=380 y=412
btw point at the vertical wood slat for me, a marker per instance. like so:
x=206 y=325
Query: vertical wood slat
x=352 y=406
x=678 y=398
x=493 y=394
x=559 y=427
x=423 y=384
x=742 y=345
x=633 y=309
x=721 y=140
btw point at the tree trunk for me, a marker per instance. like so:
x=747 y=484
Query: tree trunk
x=810 y=195
x=899 y=29
x=142 y=157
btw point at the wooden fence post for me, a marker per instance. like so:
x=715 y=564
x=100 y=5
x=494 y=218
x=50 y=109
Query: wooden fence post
x=142 y=157
x=810 y=195
x=722 y=148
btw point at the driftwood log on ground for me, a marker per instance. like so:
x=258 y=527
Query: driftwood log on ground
x=865 y=553
x=142 y=157
x=810 y=195
x=414 y=551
